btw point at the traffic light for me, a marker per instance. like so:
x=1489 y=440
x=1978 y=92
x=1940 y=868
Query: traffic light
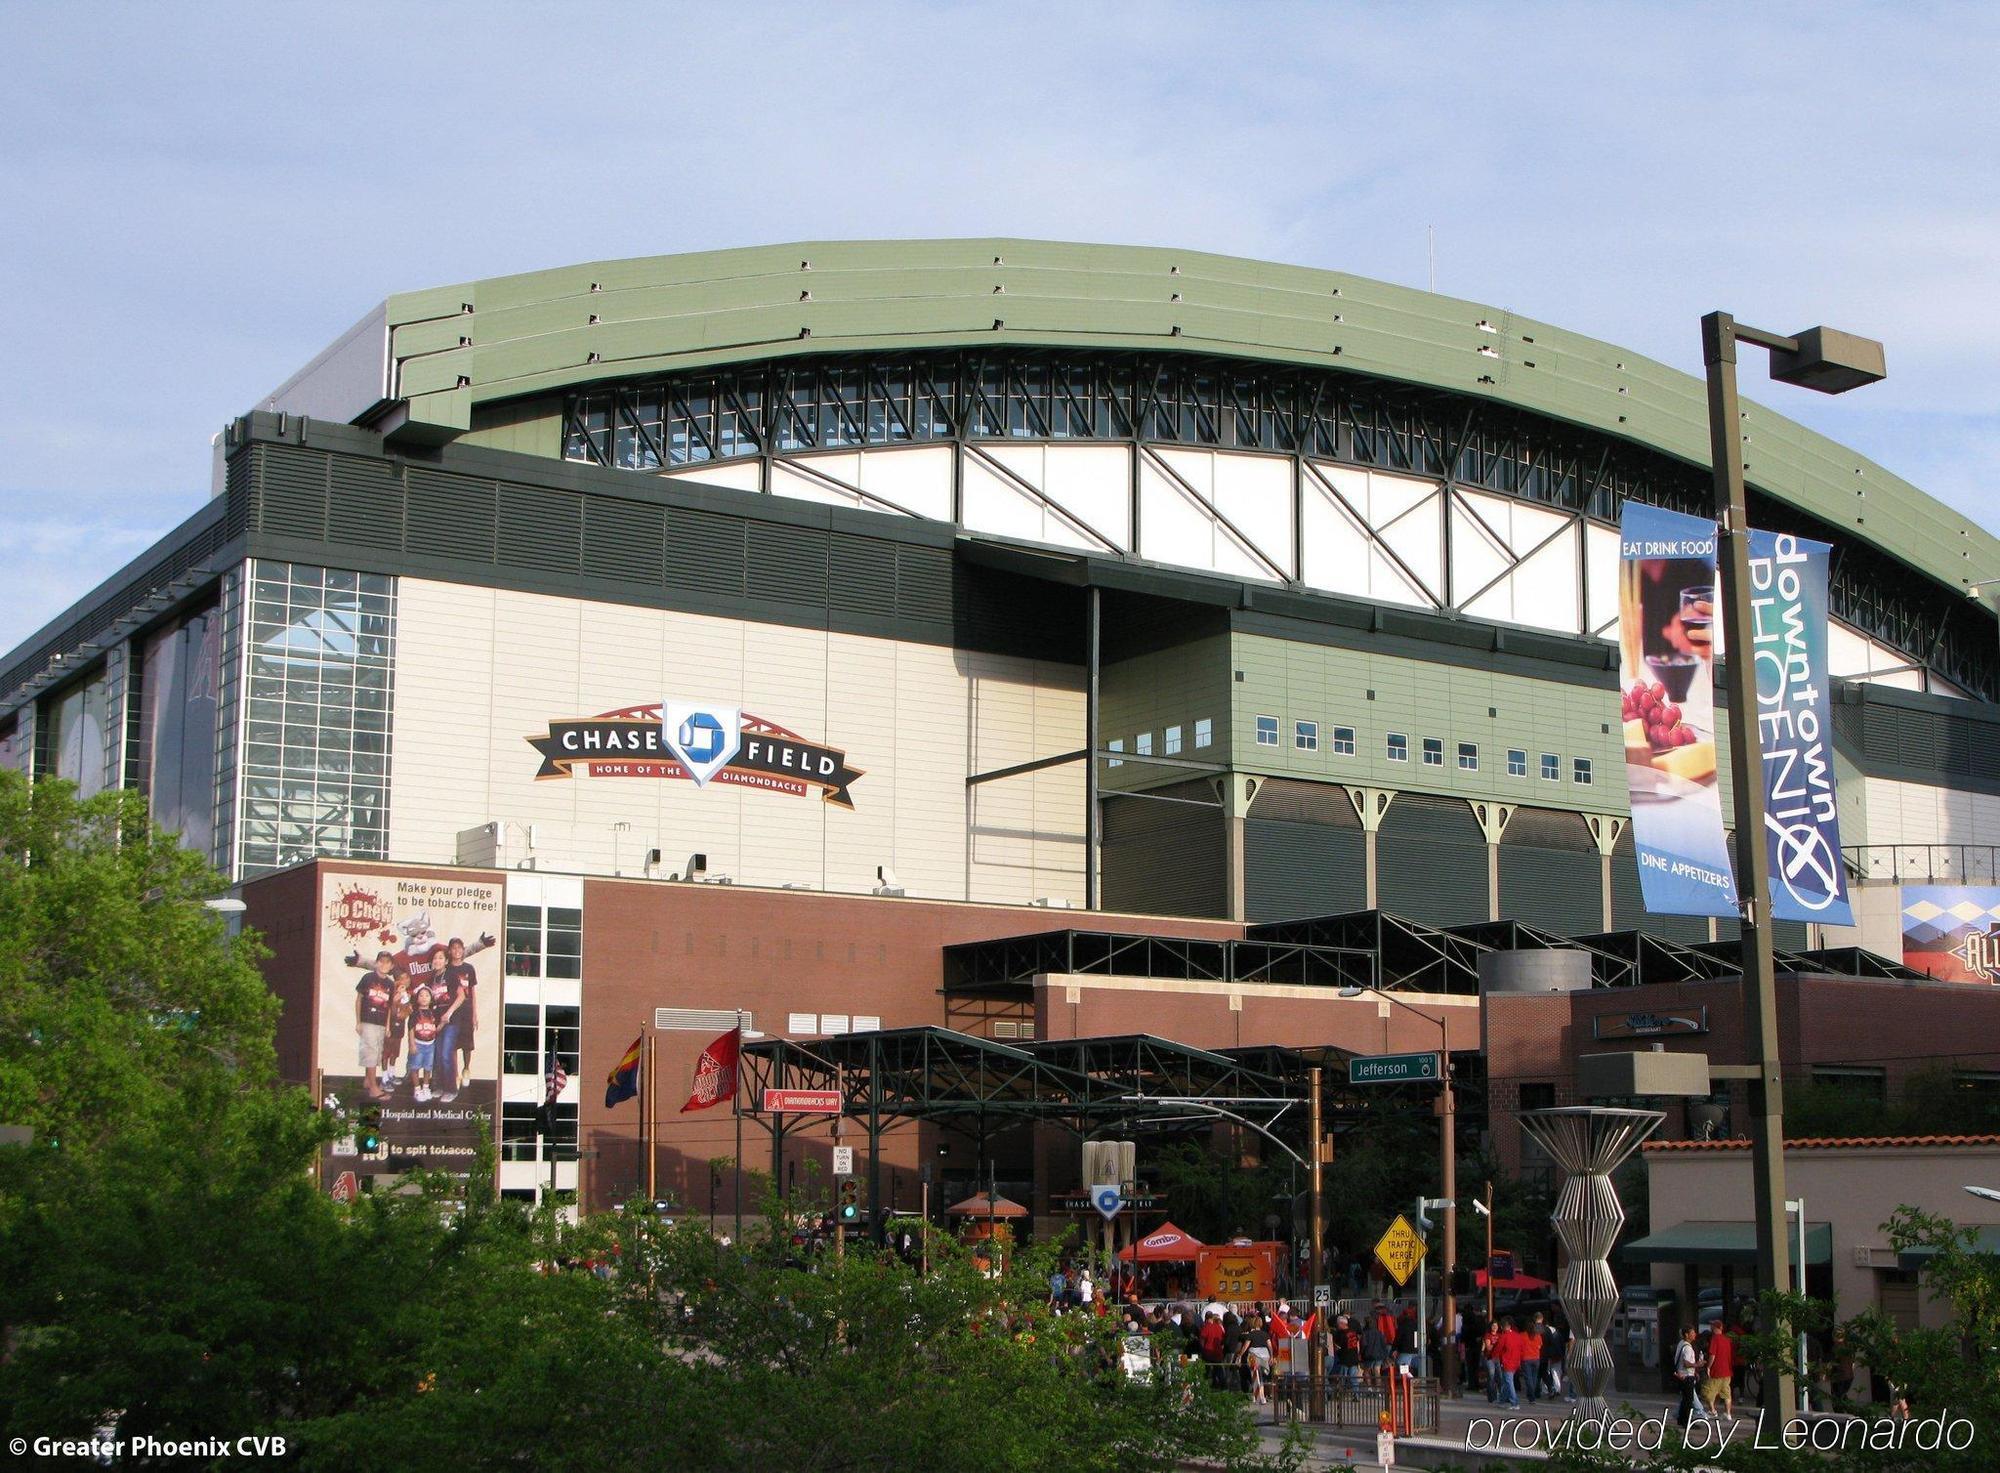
x=368 y=1137
x=846 y=1201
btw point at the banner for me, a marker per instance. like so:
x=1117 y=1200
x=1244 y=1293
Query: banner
x=409 y=1016
x=1666 y=675
x=696 y=741
x=1795 y=728
x=1952 y=932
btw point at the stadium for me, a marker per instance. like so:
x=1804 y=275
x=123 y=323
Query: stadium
x=992 y=659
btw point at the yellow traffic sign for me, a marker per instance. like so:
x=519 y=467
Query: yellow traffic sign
x=1400 y=1250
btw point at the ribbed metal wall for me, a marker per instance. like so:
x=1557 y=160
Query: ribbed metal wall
x=1430 y=861
x=1164 y=858
x=1303 y=869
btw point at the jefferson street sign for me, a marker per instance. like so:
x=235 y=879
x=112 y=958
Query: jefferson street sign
x=1393 y=1069
x=802 y=1101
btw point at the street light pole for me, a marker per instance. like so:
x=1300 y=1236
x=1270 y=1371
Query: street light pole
x=1316 y=1347
x=1832 y=363
x=1448 y=1180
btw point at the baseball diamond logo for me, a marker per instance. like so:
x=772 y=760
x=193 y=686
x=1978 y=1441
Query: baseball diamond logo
x=699 y=741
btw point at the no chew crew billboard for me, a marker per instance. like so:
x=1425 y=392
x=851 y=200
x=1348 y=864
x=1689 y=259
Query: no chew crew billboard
x=1952 y=932
x=701 y=741
x=409 y=1017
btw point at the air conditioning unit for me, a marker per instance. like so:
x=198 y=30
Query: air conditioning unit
x=1053 y=902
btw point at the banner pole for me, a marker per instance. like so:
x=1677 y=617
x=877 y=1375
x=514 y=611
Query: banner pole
x=647 y=1089
x=736 y=1108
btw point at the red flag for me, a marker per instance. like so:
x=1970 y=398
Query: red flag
x=715 y=1072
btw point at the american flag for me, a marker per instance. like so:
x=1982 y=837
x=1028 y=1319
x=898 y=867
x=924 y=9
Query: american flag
x=557 y=1078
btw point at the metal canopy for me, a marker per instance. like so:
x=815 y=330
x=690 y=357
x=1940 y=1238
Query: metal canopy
x=941 y=1075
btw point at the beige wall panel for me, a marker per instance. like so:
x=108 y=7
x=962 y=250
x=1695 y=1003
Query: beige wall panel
x=494 y=668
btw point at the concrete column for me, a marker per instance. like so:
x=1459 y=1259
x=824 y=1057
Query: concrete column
x=1605 y=829
x=1237 y=793
x=1370 y=806
x=1492 y=823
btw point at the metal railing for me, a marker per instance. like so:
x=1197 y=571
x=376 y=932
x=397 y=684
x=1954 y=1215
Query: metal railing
x=1355 y=1407
x=1963 y=864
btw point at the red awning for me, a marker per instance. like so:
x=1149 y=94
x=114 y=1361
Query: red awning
x=1522 y=1282
x=1168 y=1245
x=985 y=1206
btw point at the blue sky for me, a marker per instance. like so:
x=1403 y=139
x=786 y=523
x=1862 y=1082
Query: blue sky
x=200 y=198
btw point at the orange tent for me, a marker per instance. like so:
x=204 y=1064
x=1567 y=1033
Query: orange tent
x=985 y=1206
x=1168 y=1245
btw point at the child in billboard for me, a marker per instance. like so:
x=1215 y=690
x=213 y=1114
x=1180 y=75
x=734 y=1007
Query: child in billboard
x=462 y=984
x=399 y=1022
x=423 y=1042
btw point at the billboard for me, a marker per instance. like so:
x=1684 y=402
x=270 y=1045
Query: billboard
x=1794 y=728
x=1666 y=678
x=409 y=1016
x=1952 y=932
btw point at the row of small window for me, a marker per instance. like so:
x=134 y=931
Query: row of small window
x=1170 y=743
x=1305 y=738
x=519 y=1137
x=532 y=1034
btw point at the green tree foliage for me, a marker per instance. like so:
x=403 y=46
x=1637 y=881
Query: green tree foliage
x=170 y=1267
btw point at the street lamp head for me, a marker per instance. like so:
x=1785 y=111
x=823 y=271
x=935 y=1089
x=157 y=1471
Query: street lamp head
x=1353 y=991
x=1829 y=361
x=1480 y=1207
x=1989 y=1193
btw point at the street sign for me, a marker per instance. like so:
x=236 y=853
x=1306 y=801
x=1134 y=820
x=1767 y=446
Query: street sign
x=1401 y=1250
x=1107 y=1198
x=802 y=1101
x=345 y=1187
x=843 y=1160
x=1501 y=1264
x=1393 y=1069
x=1322 y=1295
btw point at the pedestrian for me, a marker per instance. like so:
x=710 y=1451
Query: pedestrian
x=1715 y=1387
x=1531 y=1359
x=1058 y=1287
x=1232 y=1350
x=1210 y=1342
x=1843 y=1369
x=1687 y=1372
x=1489 y=1360
x=1555 y=1358
x=1257 y=1357
x=1347 y=1352
x=1378 y=1342
x=1408 y=1338
x=1507 y=1353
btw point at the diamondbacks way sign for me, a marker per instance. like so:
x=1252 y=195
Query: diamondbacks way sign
x=1400 y=1250
x=698 y=741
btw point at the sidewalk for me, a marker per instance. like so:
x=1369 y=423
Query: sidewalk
x=1470 y=1433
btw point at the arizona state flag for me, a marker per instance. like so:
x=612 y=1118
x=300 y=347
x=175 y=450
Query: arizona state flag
x=623 y=1081
x=715 y=1072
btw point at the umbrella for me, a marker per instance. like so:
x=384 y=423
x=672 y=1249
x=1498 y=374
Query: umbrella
x=1168 y=1245
x=1519 y=1281
x=984 y=1206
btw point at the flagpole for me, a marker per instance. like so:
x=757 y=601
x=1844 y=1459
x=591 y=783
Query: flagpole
x=648 y=1087
x=736 y=1109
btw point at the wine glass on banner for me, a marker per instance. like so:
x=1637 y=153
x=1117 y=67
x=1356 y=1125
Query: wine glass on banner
x=1698 y=625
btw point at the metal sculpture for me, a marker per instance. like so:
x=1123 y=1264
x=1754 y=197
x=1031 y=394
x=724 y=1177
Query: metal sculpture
x=1589 y=1143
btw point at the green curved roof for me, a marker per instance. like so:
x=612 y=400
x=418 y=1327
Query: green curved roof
x=452 y=348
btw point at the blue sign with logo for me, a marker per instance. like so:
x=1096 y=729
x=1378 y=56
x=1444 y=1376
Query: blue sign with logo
x=1795 y=728
x=704 y=737
x=1107 y=1199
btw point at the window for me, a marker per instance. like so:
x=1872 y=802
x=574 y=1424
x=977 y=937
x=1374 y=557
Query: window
x=1538 y=1094
x=1143 y=744
x=1468 y=756
x=518 y=1140
x=1433 y=751
x=1517 y=762
x=1267 y=731
x=1552 y=768
x=544 y=943
x=1305 y=735
x=1173 y=740
x=1204 y=732
x=1399 y=747
x=1863 y=1083
x=1343 y=741
x=1117 y=745
x=531 y=1033
x=1580 y=770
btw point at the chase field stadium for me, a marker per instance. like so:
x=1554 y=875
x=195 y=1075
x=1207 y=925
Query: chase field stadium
x=982 y=645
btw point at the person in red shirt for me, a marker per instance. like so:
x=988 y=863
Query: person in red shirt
x=1721 y=1366
x=1531 y=1361
x=1210 y=1339
x=1509 y=1350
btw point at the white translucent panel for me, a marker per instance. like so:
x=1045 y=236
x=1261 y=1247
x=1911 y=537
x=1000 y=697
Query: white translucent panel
x=1336 y=549
x=1601 y=578
x=1255 y=493
x=1900 y=679
x=738 y=475
x=1478 y=556
x=1091 y=482
x=1847 y=653
x=994 y=502
x=1545 y=583
x=1416 y=537
x=1339 y=555
x=800 y=483
x=1174 y=527
x=919 y=480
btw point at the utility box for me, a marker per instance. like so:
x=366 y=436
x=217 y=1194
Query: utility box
x=1647 y=1072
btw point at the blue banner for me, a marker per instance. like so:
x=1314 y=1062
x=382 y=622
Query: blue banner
x=1666 y=617
x=1795 y=728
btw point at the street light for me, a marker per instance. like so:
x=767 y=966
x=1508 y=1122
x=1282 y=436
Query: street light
x=1989 y=1193
x=1829 y=362
x=1448 y=1171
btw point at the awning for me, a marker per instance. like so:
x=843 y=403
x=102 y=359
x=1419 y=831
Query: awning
x=1988 y=1241
x=1168 y=1245
x=1719 y=1243
x=1523 y=1282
